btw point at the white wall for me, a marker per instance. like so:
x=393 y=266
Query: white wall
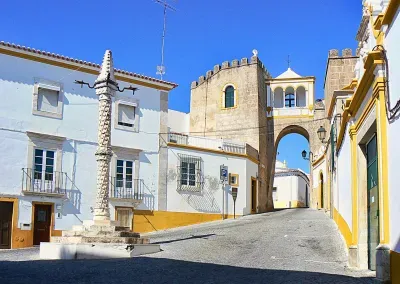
x=209 y=200
x=392 y=44
x=78 y=125
x=343 y=198
x=178 y=121
x=290 y=188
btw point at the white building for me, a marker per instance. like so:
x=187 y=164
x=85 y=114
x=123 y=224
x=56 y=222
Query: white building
x=291 y=187
x=48 y=139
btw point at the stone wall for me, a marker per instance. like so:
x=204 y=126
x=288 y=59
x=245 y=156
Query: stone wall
x=339 y=72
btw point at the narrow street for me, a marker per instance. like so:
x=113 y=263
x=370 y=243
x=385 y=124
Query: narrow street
x=288 y=246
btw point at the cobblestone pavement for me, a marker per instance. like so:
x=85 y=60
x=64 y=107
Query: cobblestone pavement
x=288 y=246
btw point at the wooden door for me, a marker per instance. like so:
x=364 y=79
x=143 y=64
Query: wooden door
x=124 y=216
x=6 y=209
x=41 y=224
x=253 y=195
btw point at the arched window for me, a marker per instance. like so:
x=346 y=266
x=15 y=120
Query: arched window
x=301 y=97
x=229 y=97
x=278 y=97
x=289 y=100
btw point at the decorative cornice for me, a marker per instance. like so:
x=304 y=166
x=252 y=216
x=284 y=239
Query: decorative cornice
x=83 y=66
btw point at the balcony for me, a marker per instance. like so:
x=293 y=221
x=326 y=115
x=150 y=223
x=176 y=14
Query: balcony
x=52 y=184
x=126 y=189
x=208 y=143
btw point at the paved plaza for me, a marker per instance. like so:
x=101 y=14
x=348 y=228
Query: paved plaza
x=287 y=246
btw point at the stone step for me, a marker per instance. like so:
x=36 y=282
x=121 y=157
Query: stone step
x=100 y=234
x=104 y=240
x=81 y=228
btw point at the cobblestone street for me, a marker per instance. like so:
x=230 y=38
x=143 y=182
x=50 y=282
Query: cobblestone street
x=288 y=246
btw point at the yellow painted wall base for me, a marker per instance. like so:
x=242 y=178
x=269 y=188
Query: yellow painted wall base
x=395 y=267
x=288 y=204
x=148 y=221
x=343 y=227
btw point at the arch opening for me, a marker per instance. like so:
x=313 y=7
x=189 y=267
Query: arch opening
x=278 y=98
x=301 y=100
x=290 y=172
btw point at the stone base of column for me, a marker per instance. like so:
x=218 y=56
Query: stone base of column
x=101 y=214
x=96 y=239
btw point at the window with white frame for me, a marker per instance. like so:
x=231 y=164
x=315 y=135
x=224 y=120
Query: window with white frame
x=190 y=173
x=47 y=98
x=127 y=116
x=43 y=170
x=124 y=173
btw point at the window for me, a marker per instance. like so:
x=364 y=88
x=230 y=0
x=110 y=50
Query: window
x=190 y=174
x=229 y=97
x=43 y=171
x=234 y=179
x=124 y=175
x=47 y=98
x=289 y=100
x=127 y=114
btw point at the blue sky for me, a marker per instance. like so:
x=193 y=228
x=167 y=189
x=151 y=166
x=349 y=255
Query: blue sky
x=200 y=34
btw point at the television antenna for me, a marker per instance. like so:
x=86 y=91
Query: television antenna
x=164 y=3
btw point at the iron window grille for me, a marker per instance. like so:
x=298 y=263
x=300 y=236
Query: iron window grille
x=190 y=175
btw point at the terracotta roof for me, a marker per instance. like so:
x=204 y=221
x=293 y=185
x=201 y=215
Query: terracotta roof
x=78 y=61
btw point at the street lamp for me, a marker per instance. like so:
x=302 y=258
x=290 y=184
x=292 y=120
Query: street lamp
x=321 y=134
x=304 y=155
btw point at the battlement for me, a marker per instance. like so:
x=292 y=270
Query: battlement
x=235 y=63
x=346 y=53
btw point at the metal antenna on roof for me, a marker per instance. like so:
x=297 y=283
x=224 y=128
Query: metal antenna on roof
x=161 y=68
x=288 y=61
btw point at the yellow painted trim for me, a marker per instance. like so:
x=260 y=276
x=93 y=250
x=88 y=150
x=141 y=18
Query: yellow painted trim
x=195 y=148
x=235 y=96
x=14 y=222
x=237 y=179
x=149 y=221
x=293 y=204
x=318 y=161
x=394 y=267
x=383 y=166
x=378 y=22
x=343 y=227
x=354 y=184
x=81 y=68
x=390 y=12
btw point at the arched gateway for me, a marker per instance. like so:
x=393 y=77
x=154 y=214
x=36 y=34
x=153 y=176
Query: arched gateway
x=241 y=101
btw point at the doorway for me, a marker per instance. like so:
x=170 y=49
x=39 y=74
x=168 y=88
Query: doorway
x=6 y=209
x=253 y=195
x=41 y=223
x=372 y=201
x=125 y=217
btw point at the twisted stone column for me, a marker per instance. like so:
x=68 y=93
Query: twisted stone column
x=103 y=158
x=105 y=86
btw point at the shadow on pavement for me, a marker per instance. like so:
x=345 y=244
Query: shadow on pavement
x=153 y=270
x=184 y=239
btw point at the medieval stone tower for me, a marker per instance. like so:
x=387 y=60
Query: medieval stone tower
x=239 y=100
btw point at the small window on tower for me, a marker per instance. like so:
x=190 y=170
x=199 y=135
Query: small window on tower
x=229 y=97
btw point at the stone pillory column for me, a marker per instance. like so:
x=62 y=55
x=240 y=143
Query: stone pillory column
x=105 y=86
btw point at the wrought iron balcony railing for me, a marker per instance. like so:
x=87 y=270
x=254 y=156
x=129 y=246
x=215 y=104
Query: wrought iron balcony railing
x=44 y=183
x=126 y=188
